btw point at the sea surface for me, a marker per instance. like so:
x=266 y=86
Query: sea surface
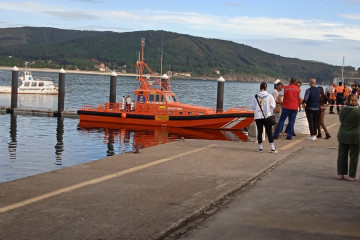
x=33 y=144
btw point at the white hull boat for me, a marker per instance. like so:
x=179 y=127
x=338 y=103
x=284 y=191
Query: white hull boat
x=29 y=85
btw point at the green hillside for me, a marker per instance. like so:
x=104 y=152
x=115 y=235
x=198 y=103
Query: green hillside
x=71 y=49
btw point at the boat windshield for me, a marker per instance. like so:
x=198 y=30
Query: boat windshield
x=174 y=98
x=169 y=98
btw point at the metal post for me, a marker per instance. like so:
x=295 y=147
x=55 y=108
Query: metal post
x=59 y=147
x=14 y=88
x=61 y=94
x=220 y=95
x=113 y=78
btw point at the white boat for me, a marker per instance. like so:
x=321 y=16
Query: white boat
x=29 y=85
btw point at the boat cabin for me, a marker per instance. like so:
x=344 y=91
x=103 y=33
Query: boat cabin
x=156 y=101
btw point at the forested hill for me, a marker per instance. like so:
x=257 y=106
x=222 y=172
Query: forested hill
x=72 y=49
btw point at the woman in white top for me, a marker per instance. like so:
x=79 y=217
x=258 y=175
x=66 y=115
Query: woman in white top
x=267 y=103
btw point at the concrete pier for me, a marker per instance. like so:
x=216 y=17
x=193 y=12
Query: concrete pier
x=191 y=189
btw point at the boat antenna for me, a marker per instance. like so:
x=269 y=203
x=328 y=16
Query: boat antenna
x=162 y=53
x=342 y=70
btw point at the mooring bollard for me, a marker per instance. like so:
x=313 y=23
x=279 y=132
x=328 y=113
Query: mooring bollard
x=61 y=94
x=14 y=88
x=220 y=95
x=112 y=99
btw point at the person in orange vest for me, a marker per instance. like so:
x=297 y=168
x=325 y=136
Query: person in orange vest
x=347 y=91
x=339 y=97
x=332 y=98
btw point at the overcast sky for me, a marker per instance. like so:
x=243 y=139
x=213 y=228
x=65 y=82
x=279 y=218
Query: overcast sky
x=321 y=30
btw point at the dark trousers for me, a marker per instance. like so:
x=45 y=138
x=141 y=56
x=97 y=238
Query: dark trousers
x=339 y=101
x=312 y=117
x=332 y=101
x=260 y=123
x=343 y=165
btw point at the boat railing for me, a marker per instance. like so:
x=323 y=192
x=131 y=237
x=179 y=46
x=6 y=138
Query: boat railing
x=108 y=107
x=43 y=79
x=238 y=108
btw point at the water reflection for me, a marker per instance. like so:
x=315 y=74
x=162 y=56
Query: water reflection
x=12 y=145
x=59 y=147
x=134 y=137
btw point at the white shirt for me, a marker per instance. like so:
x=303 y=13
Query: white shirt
x=267 y=103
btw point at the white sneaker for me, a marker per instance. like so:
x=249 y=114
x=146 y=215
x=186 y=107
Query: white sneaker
x=274 y=151
x=259 y=150
x=311 y=138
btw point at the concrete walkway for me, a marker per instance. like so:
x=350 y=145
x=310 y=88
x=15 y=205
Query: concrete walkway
x=299 y=199
x=152 y=194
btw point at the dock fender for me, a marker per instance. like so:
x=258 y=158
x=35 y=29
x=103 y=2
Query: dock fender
x=123 y=115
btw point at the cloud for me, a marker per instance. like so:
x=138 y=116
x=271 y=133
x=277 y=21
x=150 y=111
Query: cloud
x=323 y=51
x=351 y=16
x=333 y=36
x=73 y=15
x=206 y=25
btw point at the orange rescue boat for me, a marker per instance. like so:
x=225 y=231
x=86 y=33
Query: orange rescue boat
x=157 y=105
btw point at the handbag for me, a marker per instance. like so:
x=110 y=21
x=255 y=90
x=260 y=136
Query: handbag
x=277 y=108
x=270 y=120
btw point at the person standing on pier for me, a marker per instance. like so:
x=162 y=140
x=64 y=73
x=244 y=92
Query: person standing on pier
x=347 y=91
x=278 y=100
x=354 y=90
x=311 y=102
x=339 y=97
x=349 y=139
x=324 y=102
x=263 y=105
x=332 y=98
x=291 y=103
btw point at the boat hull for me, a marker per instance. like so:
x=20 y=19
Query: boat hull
x=7 y=90
x=224 y=121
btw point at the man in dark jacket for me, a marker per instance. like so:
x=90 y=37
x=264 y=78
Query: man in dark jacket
x=311 y=102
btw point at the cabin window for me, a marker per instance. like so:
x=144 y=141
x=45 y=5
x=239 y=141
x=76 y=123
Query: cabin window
x=169 y=99
x=174 y=98
x=157 y=98
x=170 y=112
x=26 y=84
x=151 y=97
x=190 y=113
x=33 y=84
x=201 y=113
x=41 y=84
x=180 y=113
x=162 y=98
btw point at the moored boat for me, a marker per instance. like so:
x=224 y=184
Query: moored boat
x=29 y=85
x=157 y=105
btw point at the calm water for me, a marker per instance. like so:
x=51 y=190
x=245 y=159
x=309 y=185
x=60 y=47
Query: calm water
x=35 y=144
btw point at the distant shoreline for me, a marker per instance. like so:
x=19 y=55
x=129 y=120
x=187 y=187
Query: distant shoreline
x=69 y=71
x=227 y=78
